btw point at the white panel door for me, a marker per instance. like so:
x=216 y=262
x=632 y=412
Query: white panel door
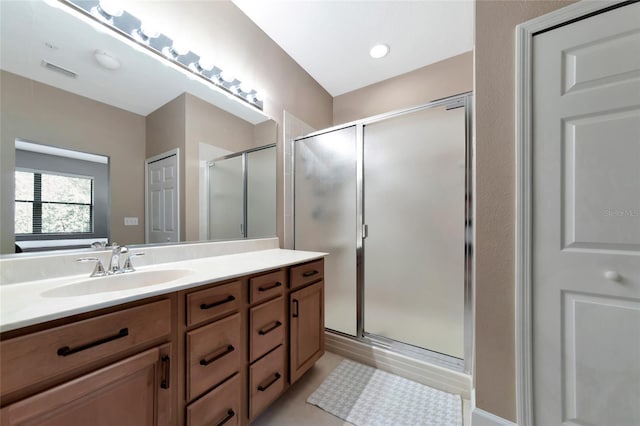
x=163 y=201
x=586 y=221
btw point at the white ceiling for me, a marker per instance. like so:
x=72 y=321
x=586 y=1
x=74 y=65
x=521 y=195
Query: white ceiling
x=33 y=31
x=331 y=39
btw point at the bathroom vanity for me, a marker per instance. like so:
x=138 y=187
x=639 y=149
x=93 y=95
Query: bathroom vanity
x=195 y=351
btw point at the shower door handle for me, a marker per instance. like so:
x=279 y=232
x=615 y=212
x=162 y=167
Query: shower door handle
x=365 y=231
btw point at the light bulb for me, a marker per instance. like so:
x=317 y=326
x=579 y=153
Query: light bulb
x=227 y=76
x=111 y=7
x=179 y=48
x=149 y=30
x=205 y=63
x=245 y=87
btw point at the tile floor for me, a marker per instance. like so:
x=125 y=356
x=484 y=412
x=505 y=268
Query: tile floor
x=292 y=409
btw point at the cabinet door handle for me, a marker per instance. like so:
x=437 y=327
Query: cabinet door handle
x=295 y=308
x=166 y=372
x=66 y=350
x=276 y=377
x=214 y=304
x=226 y=352
x=270 y=329
x=309 y=273
x=276 y=285
x=230 y=414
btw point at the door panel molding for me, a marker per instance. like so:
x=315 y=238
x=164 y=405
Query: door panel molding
x=147 y=217
x=523 y=128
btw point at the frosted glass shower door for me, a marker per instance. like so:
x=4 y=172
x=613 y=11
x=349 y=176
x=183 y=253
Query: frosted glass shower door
x=414 y=208
x=325 y=217
x=261 y=193
x=226 y=199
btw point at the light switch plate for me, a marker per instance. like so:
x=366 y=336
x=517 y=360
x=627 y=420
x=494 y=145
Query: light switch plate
x=130 y=221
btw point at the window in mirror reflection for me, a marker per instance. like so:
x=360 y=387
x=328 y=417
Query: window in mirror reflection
x=61 y=197
x=48 y=203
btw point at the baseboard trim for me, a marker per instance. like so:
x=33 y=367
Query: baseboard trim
x=416 y=370
x=483 y=418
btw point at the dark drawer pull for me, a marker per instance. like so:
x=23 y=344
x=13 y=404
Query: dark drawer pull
x=276 y=285
x=214 y=304
x=66 y=350
x=226 y=352
x=310 y=273
x=295 y=308
x=230 y=415
x=276 y=377
x=270 y=329
x=166 y=374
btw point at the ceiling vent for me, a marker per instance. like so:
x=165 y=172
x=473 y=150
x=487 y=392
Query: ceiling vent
x=56 y=68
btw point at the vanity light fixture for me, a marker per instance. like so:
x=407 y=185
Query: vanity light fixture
x=379 y=51
x=111 y=14
x=107 y=10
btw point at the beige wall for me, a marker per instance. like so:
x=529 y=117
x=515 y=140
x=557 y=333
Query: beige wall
x=495 y=199
x=184 y=123
x=234 y=42
x=166 y=130
x=211 y=125
x=440 y=80
x=44 y=114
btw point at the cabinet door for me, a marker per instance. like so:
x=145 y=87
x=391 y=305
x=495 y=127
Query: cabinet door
x=135 y=391
x=307 y=328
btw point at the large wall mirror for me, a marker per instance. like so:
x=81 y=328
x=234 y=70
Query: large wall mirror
x=71 y=86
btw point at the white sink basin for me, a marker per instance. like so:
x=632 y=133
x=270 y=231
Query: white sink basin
x=120 y=282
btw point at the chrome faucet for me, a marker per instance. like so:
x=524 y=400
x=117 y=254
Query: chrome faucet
x=114 y=263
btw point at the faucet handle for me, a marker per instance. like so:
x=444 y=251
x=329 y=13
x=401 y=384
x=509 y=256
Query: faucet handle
x=128 y=266
x=98 y=271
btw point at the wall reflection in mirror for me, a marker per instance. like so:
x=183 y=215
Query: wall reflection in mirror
x=124 y=116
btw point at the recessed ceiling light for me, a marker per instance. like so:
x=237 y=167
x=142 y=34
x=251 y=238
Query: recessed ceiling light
x=379 y=51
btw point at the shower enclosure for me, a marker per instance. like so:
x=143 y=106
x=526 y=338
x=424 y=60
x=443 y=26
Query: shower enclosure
x=389 y=198
x=242 y=194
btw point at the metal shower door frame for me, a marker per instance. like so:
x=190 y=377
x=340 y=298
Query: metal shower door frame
x=464 y=100
x=245 y=171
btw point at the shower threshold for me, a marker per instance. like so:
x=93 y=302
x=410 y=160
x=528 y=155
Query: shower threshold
x=415 y=352
x=411 y=351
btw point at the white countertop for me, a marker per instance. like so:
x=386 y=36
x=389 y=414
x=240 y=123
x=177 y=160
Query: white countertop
x=27 y=303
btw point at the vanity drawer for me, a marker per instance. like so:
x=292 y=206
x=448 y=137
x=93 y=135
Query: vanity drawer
x=307 y=273
x=214 y=354
x=266 y=381
x=266 y=327
x=220 y=406
x=35 y=357
x=213 y=302
x=266 y=286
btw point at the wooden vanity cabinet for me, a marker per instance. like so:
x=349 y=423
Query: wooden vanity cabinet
x=135 y=391
x=306 y=334
x=114 y=366
x=217 y=354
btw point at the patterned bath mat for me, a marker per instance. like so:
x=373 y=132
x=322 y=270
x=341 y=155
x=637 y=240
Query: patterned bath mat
x=366 y=396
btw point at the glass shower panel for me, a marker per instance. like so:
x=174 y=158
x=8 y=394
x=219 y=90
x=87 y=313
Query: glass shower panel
x=226 y=199
x=325 y=217
x=414 y=207
x=261 y=193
